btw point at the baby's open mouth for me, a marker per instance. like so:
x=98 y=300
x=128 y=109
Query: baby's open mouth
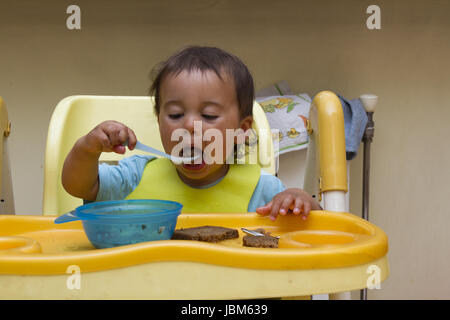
x=192 y=152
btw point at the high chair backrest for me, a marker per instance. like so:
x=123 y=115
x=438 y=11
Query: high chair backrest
x=75 y=116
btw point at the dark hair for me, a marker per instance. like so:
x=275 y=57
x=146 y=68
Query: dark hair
x=208 y=59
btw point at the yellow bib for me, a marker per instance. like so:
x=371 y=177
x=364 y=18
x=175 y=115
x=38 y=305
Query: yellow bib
x=160 y=180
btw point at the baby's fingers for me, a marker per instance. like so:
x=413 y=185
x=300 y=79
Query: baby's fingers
x=119 y=149
x=286 y=204
x=121 y=137
x=105 y=143
x=298 y=206
x=264 y=210
x=132 y=140
x=276 y=206
x=306 y=210
x=127 y=139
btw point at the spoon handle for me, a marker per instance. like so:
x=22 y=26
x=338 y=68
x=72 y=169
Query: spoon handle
x=255 y=233
x=151 y=150
x=148 y=149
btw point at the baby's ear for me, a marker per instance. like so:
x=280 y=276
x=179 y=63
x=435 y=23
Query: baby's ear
x=246 y=123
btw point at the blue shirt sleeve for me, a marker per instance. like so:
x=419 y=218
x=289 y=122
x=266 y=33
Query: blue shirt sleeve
x=118 y=181
x=268 y=186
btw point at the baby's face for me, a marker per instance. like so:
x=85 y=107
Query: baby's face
x=199 y=99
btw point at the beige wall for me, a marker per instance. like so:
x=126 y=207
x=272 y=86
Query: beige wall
x=314 y=45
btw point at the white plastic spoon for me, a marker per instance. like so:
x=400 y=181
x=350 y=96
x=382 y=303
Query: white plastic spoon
x=176 y=160
x=256 y=233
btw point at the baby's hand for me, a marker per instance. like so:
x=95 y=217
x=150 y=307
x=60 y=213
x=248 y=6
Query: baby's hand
x=109 y=136
x=297 y=200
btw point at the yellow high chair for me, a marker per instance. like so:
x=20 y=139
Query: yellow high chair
x=330 y=252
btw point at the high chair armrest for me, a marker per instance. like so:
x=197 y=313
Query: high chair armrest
x=327 y=124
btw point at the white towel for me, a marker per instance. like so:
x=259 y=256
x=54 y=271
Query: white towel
x=288 y=114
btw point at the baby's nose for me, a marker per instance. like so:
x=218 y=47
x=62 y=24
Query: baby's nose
x=193 y=124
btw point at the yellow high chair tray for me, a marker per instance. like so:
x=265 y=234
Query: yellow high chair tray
x=329 y=252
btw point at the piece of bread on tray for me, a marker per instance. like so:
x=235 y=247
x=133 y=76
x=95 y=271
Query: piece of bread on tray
x=266 y=241
x=260 y=241
x=205 y=233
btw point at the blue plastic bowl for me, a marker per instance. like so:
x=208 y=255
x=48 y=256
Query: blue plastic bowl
x=110 y=224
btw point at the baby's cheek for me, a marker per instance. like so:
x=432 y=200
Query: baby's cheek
x=165 y=133
x=217 y=145
x=171 y=138
x=213 y=153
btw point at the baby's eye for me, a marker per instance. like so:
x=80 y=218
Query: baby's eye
x=175 y=116
x=209 y=117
